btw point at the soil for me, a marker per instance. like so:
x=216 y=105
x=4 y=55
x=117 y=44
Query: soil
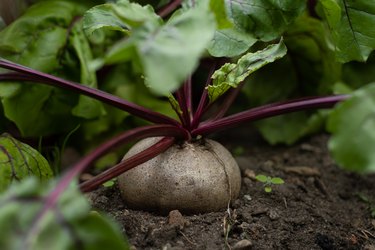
x=320 y=206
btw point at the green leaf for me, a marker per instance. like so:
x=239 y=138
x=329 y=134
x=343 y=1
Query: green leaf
x=109 y=183
x=358 y=74
x=290 y=128
x=231 y=75
x=87 y=107
x=221 y=17
x=262 y=178
x=230 y=42
x=40 y=110
x=267 y=189
x=68 y=225
x=277 y=180
x=349 y=22
x=352 y=124
x=252 y=21
x=18 y=161
x=264 y=19
x=37 y=40
x=313 y=59
x=168 y=52
x=122 y=16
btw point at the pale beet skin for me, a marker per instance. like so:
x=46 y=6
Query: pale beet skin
x=191 y=177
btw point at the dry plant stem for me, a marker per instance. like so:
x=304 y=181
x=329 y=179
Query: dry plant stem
x=115 y=101
x=266 y=111
x=129 y=163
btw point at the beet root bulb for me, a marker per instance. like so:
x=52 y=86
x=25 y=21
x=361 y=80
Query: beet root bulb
x=192 y=177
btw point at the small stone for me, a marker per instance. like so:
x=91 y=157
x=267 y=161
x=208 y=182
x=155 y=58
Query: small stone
x=273 y=214
x=369 y=247
x=167 y=246
x=243 y=245
x=247 y=197
x=86 y=177
x=250 y=174
x=175 y=218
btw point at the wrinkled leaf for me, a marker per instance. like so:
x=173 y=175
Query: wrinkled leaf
x=18 y=161
x=36 y=40
x=349 y=22
x=352 y=124
x=69 y=225
x=231 y=75
x=253 y=20
x=168 y=52
x=122 y=16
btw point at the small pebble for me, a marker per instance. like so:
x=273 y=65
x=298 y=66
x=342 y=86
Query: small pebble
x=247 y=197
x=250 y=174
x=369 y=247
x=175 y=218
x=243 y=245
x=273 y=214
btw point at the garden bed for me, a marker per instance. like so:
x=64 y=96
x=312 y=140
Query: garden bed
x=319 y=207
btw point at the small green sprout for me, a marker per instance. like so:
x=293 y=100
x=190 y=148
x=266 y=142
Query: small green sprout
x=109 y=183
x=268 y=181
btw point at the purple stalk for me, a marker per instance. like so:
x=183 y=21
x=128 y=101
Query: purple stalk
x=228 y=101
x=269 y=110
x=126 y=137
x=127 y=164
x=85 y=162
x=153 y=130
x=169 y=8
x=37 y=76
x=183 y=102
x=202 y=102
x=188 y=92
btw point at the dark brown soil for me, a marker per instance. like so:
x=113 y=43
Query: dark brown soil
x=318 y=207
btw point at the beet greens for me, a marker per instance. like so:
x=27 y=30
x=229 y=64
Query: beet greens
x=103 y=66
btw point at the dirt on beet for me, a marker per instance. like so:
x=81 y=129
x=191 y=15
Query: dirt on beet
x=320 y=206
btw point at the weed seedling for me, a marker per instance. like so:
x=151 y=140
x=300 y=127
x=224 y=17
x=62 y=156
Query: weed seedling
x=269 y=181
